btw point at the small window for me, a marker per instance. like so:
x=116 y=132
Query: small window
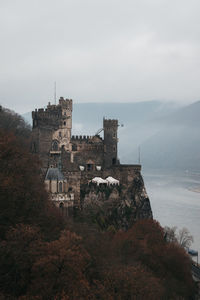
x=114 y=148
x=60 y=187
x=55 y=146
x=65 y=113
x=114 y=161
x=89 y=167
x=61 y=205
x=70 y=189
x=64 y=123
x=74 y=147
x=114 y=135
x=60 y=134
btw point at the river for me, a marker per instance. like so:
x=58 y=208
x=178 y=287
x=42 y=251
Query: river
x=175 y=200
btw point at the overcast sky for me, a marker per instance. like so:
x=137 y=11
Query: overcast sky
x=98 y=50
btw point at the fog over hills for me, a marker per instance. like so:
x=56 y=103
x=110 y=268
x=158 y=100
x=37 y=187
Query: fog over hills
x=167 y=134
x=177 y=144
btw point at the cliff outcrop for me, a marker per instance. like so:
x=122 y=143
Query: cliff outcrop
x=114 y=206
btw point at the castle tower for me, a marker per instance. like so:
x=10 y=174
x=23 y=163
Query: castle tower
x=52 y=131
x=63 y=134
x=110 y=142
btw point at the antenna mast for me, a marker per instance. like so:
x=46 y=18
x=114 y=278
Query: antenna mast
x=139 y=155
x=55 y=92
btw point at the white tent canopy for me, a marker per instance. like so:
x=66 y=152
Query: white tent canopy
x=112 y=180
x=99 y=180
x=109 y=181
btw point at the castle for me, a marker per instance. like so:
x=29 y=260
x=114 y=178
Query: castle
x=69 y=161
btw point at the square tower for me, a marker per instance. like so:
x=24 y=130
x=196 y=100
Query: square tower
x=110 y=127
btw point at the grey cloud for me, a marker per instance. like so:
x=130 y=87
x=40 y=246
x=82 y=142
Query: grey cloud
x=108 y=50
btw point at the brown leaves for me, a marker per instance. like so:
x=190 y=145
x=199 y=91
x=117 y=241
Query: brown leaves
x=60 y=267
x=23 y=198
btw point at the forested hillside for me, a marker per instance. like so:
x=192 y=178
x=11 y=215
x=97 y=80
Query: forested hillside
x=43 y=256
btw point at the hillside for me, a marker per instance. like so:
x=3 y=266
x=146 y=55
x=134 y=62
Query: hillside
x=177 y=144
x=46 y=257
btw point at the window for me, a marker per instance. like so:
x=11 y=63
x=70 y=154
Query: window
x=60 y=134
x=60 y=187
x=55 y=146
x=74 y=147
x=64 y=123
x=114 y=161
x=61 y=205
x=89 y=167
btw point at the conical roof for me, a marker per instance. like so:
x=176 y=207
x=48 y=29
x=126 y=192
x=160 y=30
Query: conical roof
x=54 y=174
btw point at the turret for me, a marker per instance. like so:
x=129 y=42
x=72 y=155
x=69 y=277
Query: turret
x=110 y=142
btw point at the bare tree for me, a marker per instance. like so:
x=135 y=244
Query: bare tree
x=183 y=237
x=170 y=234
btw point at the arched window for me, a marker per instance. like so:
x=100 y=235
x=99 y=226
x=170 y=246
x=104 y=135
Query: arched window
x=55 y=146
x=61 y=205
x=60 y=187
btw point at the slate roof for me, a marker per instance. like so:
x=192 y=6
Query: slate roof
x=54 y=174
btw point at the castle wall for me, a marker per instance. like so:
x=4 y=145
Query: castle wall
x=88 y=150
x=73 y=182
x=124 y=173
x=41 y=144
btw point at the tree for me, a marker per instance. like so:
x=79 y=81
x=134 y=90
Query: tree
x=16 y=259
x=12 y=122
x=133 y=282
x=183 y=237
x=23 y=198
x=60 y=269
x=170 y=234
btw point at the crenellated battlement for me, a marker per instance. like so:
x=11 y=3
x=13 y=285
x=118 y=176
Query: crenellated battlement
x=84 y=138
x=65 y=103
x=110 y=123
x=49 y=112
x=53 y=114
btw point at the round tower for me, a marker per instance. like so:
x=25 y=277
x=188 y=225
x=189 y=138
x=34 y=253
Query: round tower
x=110 y=142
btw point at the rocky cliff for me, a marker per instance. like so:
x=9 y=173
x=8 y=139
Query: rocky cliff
x=115 y=207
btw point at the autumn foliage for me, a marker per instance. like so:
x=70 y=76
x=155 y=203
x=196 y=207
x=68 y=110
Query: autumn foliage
x=43 y=257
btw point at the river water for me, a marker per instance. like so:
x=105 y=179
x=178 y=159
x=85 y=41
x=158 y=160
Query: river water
x=175 y=200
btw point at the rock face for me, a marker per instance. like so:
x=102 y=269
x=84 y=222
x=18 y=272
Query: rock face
x=116 y=206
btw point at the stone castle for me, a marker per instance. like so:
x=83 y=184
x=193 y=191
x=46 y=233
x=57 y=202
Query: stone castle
x=68 y=161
